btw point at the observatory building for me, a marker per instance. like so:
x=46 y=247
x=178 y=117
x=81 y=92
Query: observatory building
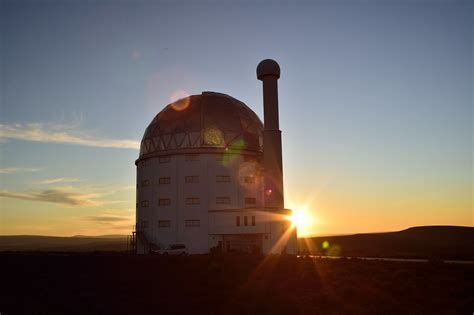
x=210 y=176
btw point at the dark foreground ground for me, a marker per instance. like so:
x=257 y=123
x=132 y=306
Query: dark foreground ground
x=205 y=284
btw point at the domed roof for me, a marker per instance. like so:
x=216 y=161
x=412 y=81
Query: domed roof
x=211 y=120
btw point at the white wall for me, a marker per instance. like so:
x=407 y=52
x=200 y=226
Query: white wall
x=207 y=167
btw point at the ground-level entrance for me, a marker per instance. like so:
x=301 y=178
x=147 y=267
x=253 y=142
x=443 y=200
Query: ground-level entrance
x=241 y=243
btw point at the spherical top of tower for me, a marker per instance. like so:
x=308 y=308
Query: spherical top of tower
x=268 y=67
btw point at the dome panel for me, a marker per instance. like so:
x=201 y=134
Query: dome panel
x=209 y=120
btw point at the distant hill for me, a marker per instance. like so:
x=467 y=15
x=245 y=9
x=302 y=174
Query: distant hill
x=447 y=242
x=69 y=244
x=102 y=236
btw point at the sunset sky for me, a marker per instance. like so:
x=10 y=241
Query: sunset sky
x=375 y=105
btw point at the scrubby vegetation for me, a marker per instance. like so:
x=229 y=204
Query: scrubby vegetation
x=211 y=284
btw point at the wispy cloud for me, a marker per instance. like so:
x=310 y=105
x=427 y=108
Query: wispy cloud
x=60 y=196
x=82 y=195
x=112 y=222
x=12 y=170
x=60 y=133
x=57 y=180
x=108 y=218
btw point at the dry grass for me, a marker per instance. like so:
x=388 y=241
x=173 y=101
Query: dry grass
x=111 y=284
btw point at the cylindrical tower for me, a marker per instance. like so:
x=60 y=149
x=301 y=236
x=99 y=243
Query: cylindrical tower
x=268 y=71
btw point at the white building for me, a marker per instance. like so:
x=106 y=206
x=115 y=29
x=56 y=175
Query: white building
x=201 y=182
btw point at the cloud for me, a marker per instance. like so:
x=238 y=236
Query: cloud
x=12 y=170
x=58 y=133
x=112 y=222
x=108 y=218
x=58 y=180
x=60 y=196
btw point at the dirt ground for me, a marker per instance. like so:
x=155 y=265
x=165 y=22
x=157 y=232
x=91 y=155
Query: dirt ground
x=207 y=284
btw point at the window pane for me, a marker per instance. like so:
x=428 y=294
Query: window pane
x=164 y=159
x=191 y=157
x=165 y=180
x=164 y=201
x=250 y=201
x=191 y=179
x=222 y=179
x=249 y=179
x=192 y=223
x=164 y=223
x=192 y=201
x=222 y=200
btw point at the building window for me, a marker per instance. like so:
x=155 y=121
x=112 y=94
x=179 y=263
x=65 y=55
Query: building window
x=164 y=201
x=249 y=179
x=193 y=201
x=222 y=200
x=164 y=223
x=191 y=157
x=222 y=179
x=237 y=220
x=253 y=220
x=165 y=180
x=192 y=223
x=164 y=159
x=250 y=158
x=246 y=221
x=145 y=183
x=144 y=224
x=191 y=179
x=250 y=201
x=144 y=203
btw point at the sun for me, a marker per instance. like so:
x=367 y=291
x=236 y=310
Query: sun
x=300 y=218
x=297 y=218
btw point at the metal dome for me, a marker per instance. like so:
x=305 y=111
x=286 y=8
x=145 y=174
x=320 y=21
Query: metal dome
x=212 y=121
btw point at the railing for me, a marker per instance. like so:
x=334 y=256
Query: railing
x=132 y=241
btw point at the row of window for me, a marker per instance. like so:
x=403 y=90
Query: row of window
x=197 y=223
x=193 y=157
x=197 y=201
x=167 y=223
x=246 y=222
x=167 y=159
x=195 y=179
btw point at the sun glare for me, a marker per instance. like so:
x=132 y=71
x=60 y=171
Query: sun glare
x=301 y=218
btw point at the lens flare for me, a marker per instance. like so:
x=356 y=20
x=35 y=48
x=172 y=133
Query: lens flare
x=301 y=218
x=213 y=137
x=297 y=218
x=181 y=100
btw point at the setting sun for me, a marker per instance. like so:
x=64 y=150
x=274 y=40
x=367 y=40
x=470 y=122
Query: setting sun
x=301 y=218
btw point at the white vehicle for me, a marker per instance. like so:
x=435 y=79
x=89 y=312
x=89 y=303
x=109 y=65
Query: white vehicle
x=174 y=249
